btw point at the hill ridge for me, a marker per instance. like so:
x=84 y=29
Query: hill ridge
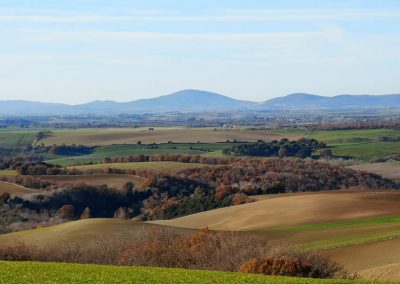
x=192 y=100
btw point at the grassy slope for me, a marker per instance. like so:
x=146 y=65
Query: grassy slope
x=11 y=138
x=34 y=272
x=13 y=141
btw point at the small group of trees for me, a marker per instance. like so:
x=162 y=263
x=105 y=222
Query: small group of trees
x=70 y=150
x=301 y=148
x=77 y=200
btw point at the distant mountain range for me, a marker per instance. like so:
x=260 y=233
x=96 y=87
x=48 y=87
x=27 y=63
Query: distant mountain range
x=199 y=101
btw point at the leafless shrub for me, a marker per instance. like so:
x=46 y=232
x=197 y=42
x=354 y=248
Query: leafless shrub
x=205 y=249
x=287 y=261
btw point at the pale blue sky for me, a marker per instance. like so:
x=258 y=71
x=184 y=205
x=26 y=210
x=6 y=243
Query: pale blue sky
x=83 y=50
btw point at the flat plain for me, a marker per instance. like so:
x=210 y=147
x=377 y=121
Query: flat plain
x=109 y=136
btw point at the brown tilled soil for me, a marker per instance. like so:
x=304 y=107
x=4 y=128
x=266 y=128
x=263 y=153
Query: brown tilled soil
x=389 y=272
x=368 y=256
x=294 y=209
x=389 y=169
x=15 y=189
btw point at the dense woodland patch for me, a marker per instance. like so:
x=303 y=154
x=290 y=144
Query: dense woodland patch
x=301 y=148
x=173 y=193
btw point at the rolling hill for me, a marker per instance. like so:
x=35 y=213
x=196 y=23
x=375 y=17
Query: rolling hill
x=281 y=210
x=199 y=101
x=302 y=101
x=84 y=232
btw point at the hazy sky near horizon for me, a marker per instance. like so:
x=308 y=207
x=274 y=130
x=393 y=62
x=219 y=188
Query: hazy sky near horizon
x=77 y=51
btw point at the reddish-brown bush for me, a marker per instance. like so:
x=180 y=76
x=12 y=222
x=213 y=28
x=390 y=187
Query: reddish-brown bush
x=202 y=250
x=17 y=251
x=289 y=262
x=66 y=211
x=4 y=197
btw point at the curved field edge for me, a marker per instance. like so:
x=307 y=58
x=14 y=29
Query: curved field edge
x=352 y=240
x=36 y=272
x=15 y=189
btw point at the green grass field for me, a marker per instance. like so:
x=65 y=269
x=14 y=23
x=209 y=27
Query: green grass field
x=343 y=224
x=133 y=149
x=352 y=136
x=347 y=233
x=352 y=240
x=35 y=272
x=13 y=141
x=361 y=144
x=12 y=137
x=8 y=173
x=366 y=151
